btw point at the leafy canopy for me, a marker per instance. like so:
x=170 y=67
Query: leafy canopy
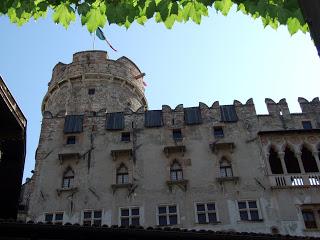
x=96 y=13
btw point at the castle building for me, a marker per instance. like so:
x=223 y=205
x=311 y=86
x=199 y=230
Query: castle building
x=105 y=159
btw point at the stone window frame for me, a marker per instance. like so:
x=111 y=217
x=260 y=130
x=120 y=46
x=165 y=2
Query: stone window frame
x=248 y=210
x=93 y=220
x=122 y=174
x=167 y=214
x=54 y=216
x=176 y=171
x=315 y=210
x=70 y=179
x=225 y=163
x=206 y=212
x=130 y=215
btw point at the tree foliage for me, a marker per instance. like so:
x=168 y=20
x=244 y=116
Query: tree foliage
x=96 y=13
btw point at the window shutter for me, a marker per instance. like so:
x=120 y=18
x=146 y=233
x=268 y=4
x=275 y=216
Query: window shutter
x=73 y=124
x=228 y=113
x=115 y=121
x=192 y=116
x=153 y=118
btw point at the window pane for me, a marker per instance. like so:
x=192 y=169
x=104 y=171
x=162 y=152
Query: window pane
x=125 y=179
x=87 y=214
x=97 y=222
x=97 y=214
x=162 y=220
x=244 y=215
x=125 y=222
x=135 y=211
x=223 y=172
x=200 y=207
x=135 y=221
x=59 y=216
x=86 y=223
x=252 y=204
x=179 y=175
x=229 y=171
x=242 y=205
x=211 y=206
x=48 y=217
x=173 y=219
x=202 y=218
x=254 y=215
x=212 y=217
x=125 y=212
x=119 y=179
x=172 y=209
x=173 y=176
x=162 y=210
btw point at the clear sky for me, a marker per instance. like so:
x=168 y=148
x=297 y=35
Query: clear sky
x=224 y=58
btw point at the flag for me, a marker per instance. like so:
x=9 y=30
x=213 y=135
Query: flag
x=101 y=36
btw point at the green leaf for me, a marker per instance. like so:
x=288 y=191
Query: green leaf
x=223 y=6
x=169 y=21
x=95 y=18
x=293 y=25
x=63 y=14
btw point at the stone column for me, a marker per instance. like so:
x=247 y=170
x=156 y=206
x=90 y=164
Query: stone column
x=316 y=157
x=283 y=164
x=298 y=154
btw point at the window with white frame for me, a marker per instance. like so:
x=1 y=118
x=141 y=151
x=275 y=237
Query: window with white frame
x=225 y=168
x=176 y=173
x=92 y=217
x=56 y=218
x=206 y=213
x=248 y=210
x=130 y=216
x=68 y=177
x=167 y=215
x=122 y=175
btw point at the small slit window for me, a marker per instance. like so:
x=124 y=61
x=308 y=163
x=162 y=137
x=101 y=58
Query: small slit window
x=218 y=132
x=177 y=134
x=125 y=137
x=71 y=140
x=91 y=91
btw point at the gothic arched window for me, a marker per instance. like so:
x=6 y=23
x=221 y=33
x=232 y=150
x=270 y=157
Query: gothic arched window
x=225 y=168
x=122 y=175
x=176 y=173
x=291 y=161
x=68 y=177
x=308 y=160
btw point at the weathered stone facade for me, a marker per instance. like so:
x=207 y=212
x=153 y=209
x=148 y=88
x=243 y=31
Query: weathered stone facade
x=226 y=168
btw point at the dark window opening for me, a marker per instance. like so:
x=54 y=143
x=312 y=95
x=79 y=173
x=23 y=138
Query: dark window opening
x=176 y=173
x=71 y=140
x=125 y=137
x=306 y=125
x=275 y=162
x=218 y=132
x=177 y=134
x=122 y=175
x=91 y=91
x=291 y=161
x=309 y=219
x=308 y=160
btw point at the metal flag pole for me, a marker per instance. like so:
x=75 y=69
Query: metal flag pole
x=94 y=38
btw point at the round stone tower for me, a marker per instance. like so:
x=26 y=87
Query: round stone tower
x=94 y=83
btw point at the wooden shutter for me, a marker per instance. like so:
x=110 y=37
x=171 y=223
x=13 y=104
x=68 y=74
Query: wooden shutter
x=73 y=124
x=153 y=118
x=192 y=116
x=115 y=121
x=228 y=113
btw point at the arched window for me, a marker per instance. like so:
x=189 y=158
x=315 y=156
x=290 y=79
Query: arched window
x=68 y=177
x=275 y=162
x=176 y=173
x=308 y=160
x=122 y=175
x=225 y=168
x=291 y=161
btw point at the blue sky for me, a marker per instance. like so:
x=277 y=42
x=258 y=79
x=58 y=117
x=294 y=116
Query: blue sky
x=224 y=58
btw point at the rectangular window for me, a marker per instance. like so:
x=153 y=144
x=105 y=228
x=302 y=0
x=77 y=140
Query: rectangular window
x=177 y=134
x=92 y=217
x=206 y=213
x=306 y=125
x=225 y=171
x=130 y=216
x=125 y=137
x=309 y=219
x=218 y=132
x=91 y=91
x=248 y=210
x=71 y=140
x=167 y=215
x=56 y=218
